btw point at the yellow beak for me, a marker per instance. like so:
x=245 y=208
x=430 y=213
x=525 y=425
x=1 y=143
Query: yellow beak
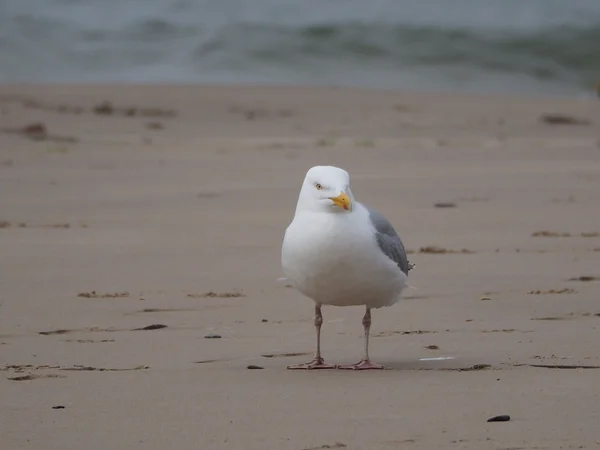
x=343 y=201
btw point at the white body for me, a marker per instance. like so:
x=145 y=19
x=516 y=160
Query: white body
x=334 y=259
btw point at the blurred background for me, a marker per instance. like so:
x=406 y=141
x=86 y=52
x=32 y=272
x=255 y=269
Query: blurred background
x=534 y=46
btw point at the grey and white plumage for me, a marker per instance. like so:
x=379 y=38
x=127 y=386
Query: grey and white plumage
x=339 y=252
x=388 y=240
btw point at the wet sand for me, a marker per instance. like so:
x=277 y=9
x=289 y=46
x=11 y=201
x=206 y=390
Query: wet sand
x=140 y=230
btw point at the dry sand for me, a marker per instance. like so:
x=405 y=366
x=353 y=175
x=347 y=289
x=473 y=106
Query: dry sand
x=117 y=218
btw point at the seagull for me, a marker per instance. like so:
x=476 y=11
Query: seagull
x=339 y=252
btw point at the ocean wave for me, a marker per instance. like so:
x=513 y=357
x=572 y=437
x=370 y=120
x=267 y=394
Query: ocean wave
x=167 y=48
x=562 y=53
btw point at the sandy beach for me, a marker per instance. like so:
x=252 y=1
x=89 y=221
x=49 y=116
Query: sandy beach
x=141 y=226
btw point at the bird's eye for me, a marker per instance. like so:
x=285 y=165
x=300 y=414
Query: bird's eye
x=318 y=186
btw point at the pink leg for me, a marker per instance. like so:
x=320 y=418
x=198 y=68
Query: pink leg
x=318 y=362
x=365 y=363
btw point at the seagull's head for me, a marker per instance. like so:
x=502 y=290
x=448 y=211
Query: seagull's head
x=326 y=189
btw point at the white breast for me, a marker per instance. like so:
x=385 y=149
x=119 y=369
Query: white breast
x=334 y=259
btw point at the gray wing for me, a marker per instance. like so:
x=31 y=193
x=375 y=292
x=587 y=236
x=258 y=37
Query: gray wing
x=388 y=240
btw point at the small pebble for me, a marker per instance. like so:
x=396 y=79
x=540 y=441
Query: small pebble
x=251 y=366
x=264 y=320
x=503 y=418
x=212 y=336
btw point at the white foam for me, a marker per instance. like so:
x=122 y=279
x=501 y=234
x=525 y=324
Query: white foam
x=439 y=358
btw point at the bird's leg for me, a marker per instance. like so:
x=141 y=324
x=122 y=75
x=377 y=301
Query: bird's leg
x=317 y=362
x=365 y=363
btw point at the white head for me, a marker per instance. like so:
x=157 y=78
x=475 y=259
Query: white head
x=326 y=189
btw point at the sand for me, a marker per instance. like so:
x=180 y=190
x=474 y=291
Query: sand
x=168 y=206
